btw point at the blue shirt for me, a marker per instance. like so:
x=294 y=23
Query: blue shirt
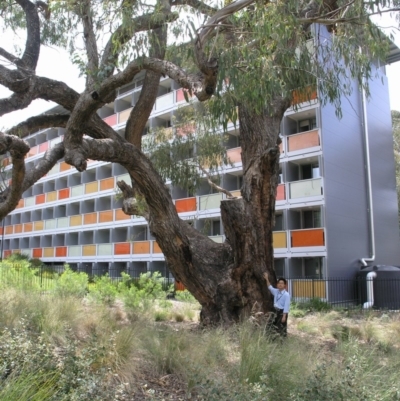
x=281 y=299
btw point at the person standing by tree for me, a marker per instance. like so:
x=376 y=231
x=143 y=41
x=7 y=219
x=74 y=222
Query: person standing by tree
x=281 y=304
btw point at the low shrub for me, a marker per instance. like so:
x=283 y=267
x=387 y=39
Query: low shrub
x=71 y=283
x=104 y=289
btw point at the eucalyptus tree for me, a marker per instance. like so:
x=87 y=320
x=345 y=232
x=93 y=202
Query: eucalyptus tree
x=244 y=59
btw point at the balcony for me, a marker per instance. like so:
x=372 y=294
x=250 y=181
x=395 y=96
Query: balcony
x=303 y=140
x=307 y=237
x=305 y=188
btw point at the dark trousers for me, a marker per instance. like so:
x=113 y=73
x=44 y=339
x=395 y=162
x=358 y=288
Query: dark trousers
x=279 y=326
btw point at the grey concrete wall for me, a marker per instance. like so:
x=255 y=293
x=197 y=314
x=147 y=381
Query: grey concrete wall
x=345 y=187
x=345 y=182
x=384 y=193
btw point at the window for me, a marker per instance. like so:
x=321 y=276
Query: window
x=311 y=219
x=313 y=267
x=278 y=222
x=216 y=227
x=309 y=171
x=307 y=125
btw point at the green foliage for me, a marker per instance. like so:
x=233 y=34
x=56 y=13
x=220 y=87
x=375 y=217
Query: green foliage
x=71 y=283
x=104 y=289
x=182 y=153
x=185 y=296
x=17 y=273
x=313 y=305
x=144 y=291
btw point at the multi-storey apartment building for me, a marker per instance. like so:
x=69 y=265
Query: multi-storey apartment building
x=336 y=201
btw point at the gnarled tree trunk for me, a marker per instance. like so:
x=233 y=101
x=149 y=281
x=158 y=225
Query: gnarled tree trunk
x=227 y=279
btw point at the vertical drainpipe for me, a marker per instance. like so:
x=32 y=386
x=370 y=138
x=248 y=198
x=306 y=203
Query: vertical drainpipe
x=369 y=184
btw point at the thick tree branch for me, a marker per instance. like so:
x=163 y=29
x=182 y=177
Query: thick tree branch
x=8 y=56
x=140 y=113
x=18 y=148
x=39 y=122
x=46 y=163
x=197 y=5
x=32 y=47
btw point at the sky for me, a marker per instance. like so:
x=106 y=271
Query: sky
x=54 y=63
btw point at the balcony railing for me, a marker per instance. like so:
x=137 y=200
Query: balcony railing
x=307 y=237
x=305 y=188
x=235 y=155
x=279 y=239
x=303 y=140
x=210 y=201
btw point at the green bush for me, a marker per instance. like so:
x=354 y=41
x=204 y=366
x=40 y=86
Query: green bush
x=104 y=289
x=314 y=305
x=71 y=283
x=143 y=293
x=185 y=296
x=33 y=369
x=18 y=274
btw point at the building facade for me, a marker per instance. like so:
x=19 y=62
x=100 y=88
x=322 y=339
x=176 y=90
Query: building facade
x=336 y=201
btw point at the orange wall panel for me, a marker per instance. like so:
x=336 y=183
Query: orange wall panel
x=108 y=183
x=314 y=237
x=123 y=248
x=64 y=166
x=90 y=218
x=303 y=141
x=63 y=193
x=89 y=250
x=185 y=205
x=37 y=253
x=9 y=229
x=18 y=228
x=141 y=247
x=120 y=215
x=105 y=216
x=61 y=251
x=40 y=199
x=28 y=227
x=43 y=147
x=156 y=248
x=280 y=192
x=20 y=204
x=111 y=120
x=235 y=155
